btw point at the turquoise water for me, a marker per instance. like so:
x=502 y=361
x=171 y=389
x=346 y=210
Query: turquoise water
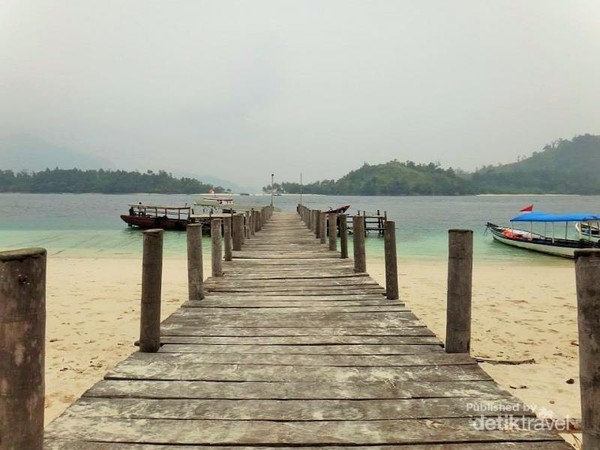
x=89 y=224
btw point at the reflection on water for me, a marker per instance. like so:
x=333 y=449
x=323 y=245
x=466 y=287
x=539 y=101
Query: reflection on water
x=89 y=224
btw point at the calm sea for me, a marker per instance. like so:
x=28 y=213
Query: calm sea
x=89 y=224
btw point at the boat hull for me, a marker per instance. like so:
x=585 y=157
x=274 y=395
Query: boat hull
x=148 y=222
x=537 y=243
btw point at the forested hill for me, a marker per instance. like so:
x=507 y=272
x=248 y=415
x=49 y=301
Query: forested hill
x=392 y=178
x=99 y=181
x=563 y=167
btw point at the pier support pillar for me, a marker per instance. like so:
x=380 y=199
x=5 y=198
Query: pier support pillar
x=460 y=280
x=323 y=227
x=195 y=269
x=587 y=277
x=360 y=258
x=238 y=232
x=227 y=242
x=332 y=222
x=343 y=236
x=391 y=261
x=151 y=290
x=22 y=348
x=216 y=247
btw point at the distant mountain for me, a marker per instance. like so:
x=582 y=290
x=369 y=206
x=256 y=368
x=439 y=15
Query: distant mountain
x=563 y=167
x=27 y=152
x=236 y=188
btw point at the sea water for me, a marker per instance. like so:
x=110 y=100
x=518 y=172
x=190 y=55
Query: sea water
x=88 y=225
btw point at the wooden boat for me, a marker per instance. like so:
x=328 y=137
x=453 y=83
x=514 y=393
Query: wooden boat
x=153 y=216
x=587 y=230
x=340 y=210
x=546 y=242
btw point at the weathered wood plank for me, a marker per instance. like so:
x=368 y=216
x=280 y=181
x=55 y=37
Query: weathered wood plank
x=301 y=340
x=190 y=330
x=294 y=410
x=302 y=349
x=482 y=390
x=221 y=432
x=59 y=444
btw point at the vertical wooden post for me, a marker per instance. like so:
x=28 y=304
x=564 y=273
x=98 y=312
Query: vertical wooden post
x=22 y=348
x=323 y=227
x=228 y=244
x=391 y=261
x=317 y=223
x=238 y=232
x=151 y=290
x=332 y=220
x=195 y=269
x=587 y=277
x=217 y=247
x=251 y=223
x=360 y=258
x=343 y=236
x=460 y=279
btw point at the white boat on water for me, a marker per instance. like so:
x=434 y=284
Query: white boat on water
x=547 y=242
x=588 y=230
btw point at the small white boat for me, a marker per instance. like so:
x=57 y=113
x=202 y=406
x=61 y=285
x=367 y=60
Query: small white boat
x=546 y=242
x=588 y=230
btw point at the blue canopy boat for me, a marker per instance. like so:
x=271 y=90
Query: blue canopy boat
x=547 y=242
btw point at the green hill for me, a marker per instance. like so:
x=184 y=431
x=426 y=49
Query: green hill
x=563 y=167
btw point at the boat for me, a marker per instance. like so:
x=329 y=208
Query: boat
x=546 y=242
x=154 y=216
x=339 y=210
x=587 y=230
x=217 y=200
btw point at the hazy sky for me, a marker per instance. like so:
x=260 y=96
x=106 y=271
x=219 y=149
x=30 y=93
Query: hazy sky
x=241 y=89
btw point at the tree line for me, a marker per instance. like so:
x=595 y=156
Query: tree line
x=100 y=181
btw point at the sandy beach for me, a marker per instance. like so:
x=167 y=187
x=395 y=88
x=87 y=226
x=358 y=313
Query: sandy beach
x=520 y=312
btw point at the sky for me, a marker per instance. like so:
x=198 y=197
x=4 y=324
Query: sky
x=242 y=89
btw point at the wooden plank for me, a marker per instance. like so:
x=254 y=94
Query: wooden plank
x=482 y=390
x=301 y=340
x=294 y=306
x=190 y=330
x=221 y=432
x=302 y=349
x=60 y=444
x=294 y=410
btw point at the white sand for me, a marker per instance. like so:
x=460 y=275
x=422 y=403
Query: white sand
x=519 y=312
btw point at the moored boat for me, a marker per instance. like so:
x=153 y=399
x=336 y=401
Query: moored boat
x=339 y=210
x=153 y=216
x=587 y=230
x=546 y=242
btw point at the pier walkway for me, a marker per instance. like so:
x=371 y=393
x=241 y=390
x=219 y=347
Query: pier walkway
x=292 y=348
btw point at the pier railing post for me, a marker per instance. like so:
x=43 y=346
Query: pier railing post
x=22 y=349
x=332 y=221
x=343 y=236
x=323 y=227
x=587 y=271
x=216 y=247
x=238 y=232
x=391 y=261
x=317 y=223
x=251 y=223
x=195 y=269
x=460 y=280
x=227 y=244
x=360 y=259
x=151 y=290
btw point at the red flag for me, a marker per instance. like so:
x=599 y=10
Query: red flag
x=528 y=208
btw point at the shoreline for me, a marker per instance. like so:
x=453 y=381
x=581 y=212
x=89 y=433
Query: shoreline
x=520 y=312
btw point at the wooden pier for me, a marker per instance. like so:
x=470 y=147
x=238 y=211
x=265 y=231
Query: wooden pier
x=292 y=348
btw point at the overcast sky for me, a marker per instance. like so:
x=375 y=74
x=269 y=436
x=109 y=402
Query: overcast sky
x=243 y=89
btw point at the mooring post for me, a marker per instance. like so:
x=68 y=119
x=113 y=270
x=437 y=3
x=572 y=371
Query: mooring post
x=587 y=271
x=216 y=247
x=195 y=270
x=151 y=290
x=332 y=220
x=460 y=280
x=251 y=223
x=248 y=224
x=323 y=227
x=228 y=244
x=317 y=223
x=238 y=232
x=343 y=236
x=391 y=261
x=360 y=258
x=22 y=348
